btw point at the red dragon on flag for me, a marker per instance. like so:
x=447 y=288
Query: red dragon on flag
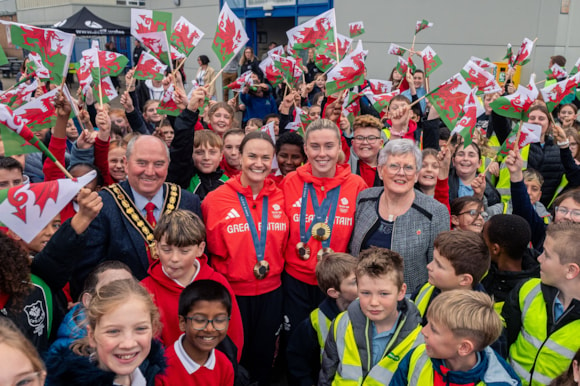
x=313 y=33
x=185 y=36
x=230 y=36
x=149 y=67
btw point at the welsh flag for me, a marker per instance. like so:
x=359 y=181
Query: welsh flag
x=517 y=104
x=272 y=74
x=39 y=113
x=107 y=90
x=313 y=33
x=286 y=66
x=448 y=99
x=531 y=133
x=350 y=106
x=356 y=28
x=324 y=62
x=329 y=49
x=348 y=73
x=381 y=101
x=185 y=36
x=300 y=122
x=483 y=63
x=465 y=127
x=576 y=68
x=402 y=66
x=421 y=25
x=157 y=43
x=112 y=63
x=411 y=65
x=230 y=36
x=395 y=49
x=431 y=60
x=149 y=67
x=167 y=105
x=241 y=82
x=478 y=77
x=524 y=53
x=37 y=67
x=54 y=47
x=554 y=93
x=278 y=50
x=3 y=58
x=90 y=58
x=556 y=72
x=144 y=21
x=27 y=209
x=269 y=128
x=175 y=55
x=509 y=55
x=379 y=86
x=20 y=94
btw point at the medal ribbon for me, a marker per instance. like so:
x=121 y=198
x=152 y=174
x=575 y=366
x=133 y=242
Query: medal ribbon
x=259 y=244
x=320 y=212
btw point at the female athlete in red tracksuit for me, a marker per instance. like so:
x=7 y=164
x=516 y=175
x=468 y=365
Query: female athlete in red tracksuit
x=334 y=189
x=247 y=232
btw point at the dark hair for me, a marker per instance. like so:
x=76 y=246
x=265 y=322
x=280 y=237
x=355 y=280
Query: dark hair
x=460 y=147
x=419 y=70
x=180 y=228
x=559 y=60
x=93 y=279
x=200 y=290
x=567 y=378
x=256 y=135
x=444 y=133
x=459 y=203
x=512 y=233
x=291 y=138
x=99 y=177
x=14 y=272
x=574 y=194
x=203 y=59
x=273 y=115
x=9 y=163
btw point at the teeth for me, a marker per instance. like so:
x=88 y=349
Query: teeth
x=128 y=356
x=208 y=338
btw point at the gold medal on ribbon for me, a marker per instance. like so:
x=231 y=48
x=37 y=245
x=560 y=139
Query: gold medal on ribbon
x=261 y=269
x=303 y=251
x=321 y=231
x=322 y=252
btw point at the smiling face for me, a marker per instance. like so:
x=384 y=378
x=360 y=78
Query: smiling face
x=466 y=162
x=322 y=148
x=468 y=222
x=41 y=239
x=537 y=117
x=232 y=149
x=221 y=121
x=122 y=337
x=418 y=79
x=150 y=114
x=427 y=177
x=198 y=344
x=368 y=148
x=116 y=159
x=289 y=158
x=147 y=166
x=207 y=158
x=400 y=181
x=378 y=299
x=256 y=162
x=567 y=115
x=71 y=131
x=178 y=262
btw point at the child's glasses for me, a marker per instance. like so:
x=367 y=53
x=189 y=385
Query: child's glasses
x=200 y=323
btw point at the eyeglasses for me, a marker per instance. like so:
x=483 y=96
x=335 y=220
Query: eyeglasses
x=573 y=144
x=28 y=379
x=409 y=170
x=199 y=323
x=370 y=139
x=474 y=213
x=563 y=211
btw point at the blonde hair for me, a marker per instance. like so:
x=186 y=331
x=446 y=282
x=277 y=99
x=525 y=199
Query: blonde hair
x=467 y=314
x=108 y=298
x=180 y=228
x=207 y=138
x=333 y=268
x=321 y=124
x=364 y=121
x=11 y=336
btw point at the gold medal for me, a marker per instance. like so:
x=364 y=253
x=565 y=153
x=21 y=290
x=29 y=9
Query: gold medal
x=321 y=231
x=303 y=251
x=322 y=252
x=261 y=269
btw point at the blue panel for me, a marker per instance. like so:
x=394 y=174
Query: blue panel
x=251 y=27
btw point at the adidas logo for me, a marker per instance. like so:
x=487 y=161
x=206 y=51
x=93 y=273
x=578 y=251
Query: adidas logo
x=297 y=204
x=232 y=214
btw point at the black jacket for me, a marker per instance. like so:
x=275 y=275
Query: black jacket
x=546 y=160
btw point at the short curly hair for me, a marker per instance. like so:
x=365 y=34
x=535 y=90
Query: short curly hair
x=14 y=272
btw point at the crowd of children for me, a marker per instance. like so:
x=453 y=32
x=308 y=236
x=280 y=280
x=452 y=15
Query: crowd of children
x=324 y=255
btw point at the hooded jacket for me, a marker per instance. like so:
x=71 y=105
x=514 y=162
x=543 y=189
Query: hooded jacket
x=166 y=294
x=292 y=185
x=229 y=239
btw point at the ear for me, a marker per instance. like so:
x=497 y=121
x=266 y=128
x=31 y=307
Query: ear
x=91 y=336
x=333 y=293
x=465 y=348
x=201 y=248
x=495 y=249
x=455 y=220
x=86 y=299
x=402 y=292
x=380 y=172
x=572 y=271
x=182 y=323
x=466 y=280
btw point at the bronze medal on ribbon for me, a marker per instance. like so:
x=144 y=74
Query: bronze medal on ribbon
x=321 y=231
x=261 y=269
x=322 y=252
x=303 y=251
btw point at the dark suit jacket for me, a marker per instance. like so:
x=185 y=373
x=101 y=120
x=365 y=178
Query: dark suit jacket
x=112 y=237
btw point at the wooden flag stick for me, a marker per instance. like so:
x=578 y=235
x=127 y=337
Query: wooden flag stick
x=488 y=166
x=418 y=100
x=179 y=66
x=413 y=44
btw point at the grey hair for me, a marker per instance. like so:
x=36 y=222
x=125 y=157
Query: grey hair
x=400 y=147
x=321 y=124
x=131 y=144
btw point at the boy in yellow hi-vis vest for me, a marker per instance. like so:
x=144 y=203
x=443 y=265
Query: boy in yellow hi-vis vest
x=462 y=325
x=366 y=342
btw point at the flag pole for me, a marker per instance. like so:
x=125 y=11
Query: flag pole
x=222 y=70
x=26 y=79
x=489 y=165
x=418 y=100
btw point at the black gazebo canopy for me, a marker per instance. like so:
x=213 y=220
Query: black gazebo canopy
x=86 y=23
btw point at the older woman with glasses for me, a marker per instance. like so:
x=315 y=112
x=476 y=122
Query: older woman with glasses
x=398 y=217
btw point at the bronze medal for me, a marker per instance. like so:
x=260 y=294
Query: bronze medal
x=321 y=231
x=322 y=252
x=303 y=251
x=261 y=269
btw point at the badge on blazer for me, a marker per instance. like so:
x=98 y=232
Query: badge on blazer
x=261 y=269
x=321 y=231
x=303 y=251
